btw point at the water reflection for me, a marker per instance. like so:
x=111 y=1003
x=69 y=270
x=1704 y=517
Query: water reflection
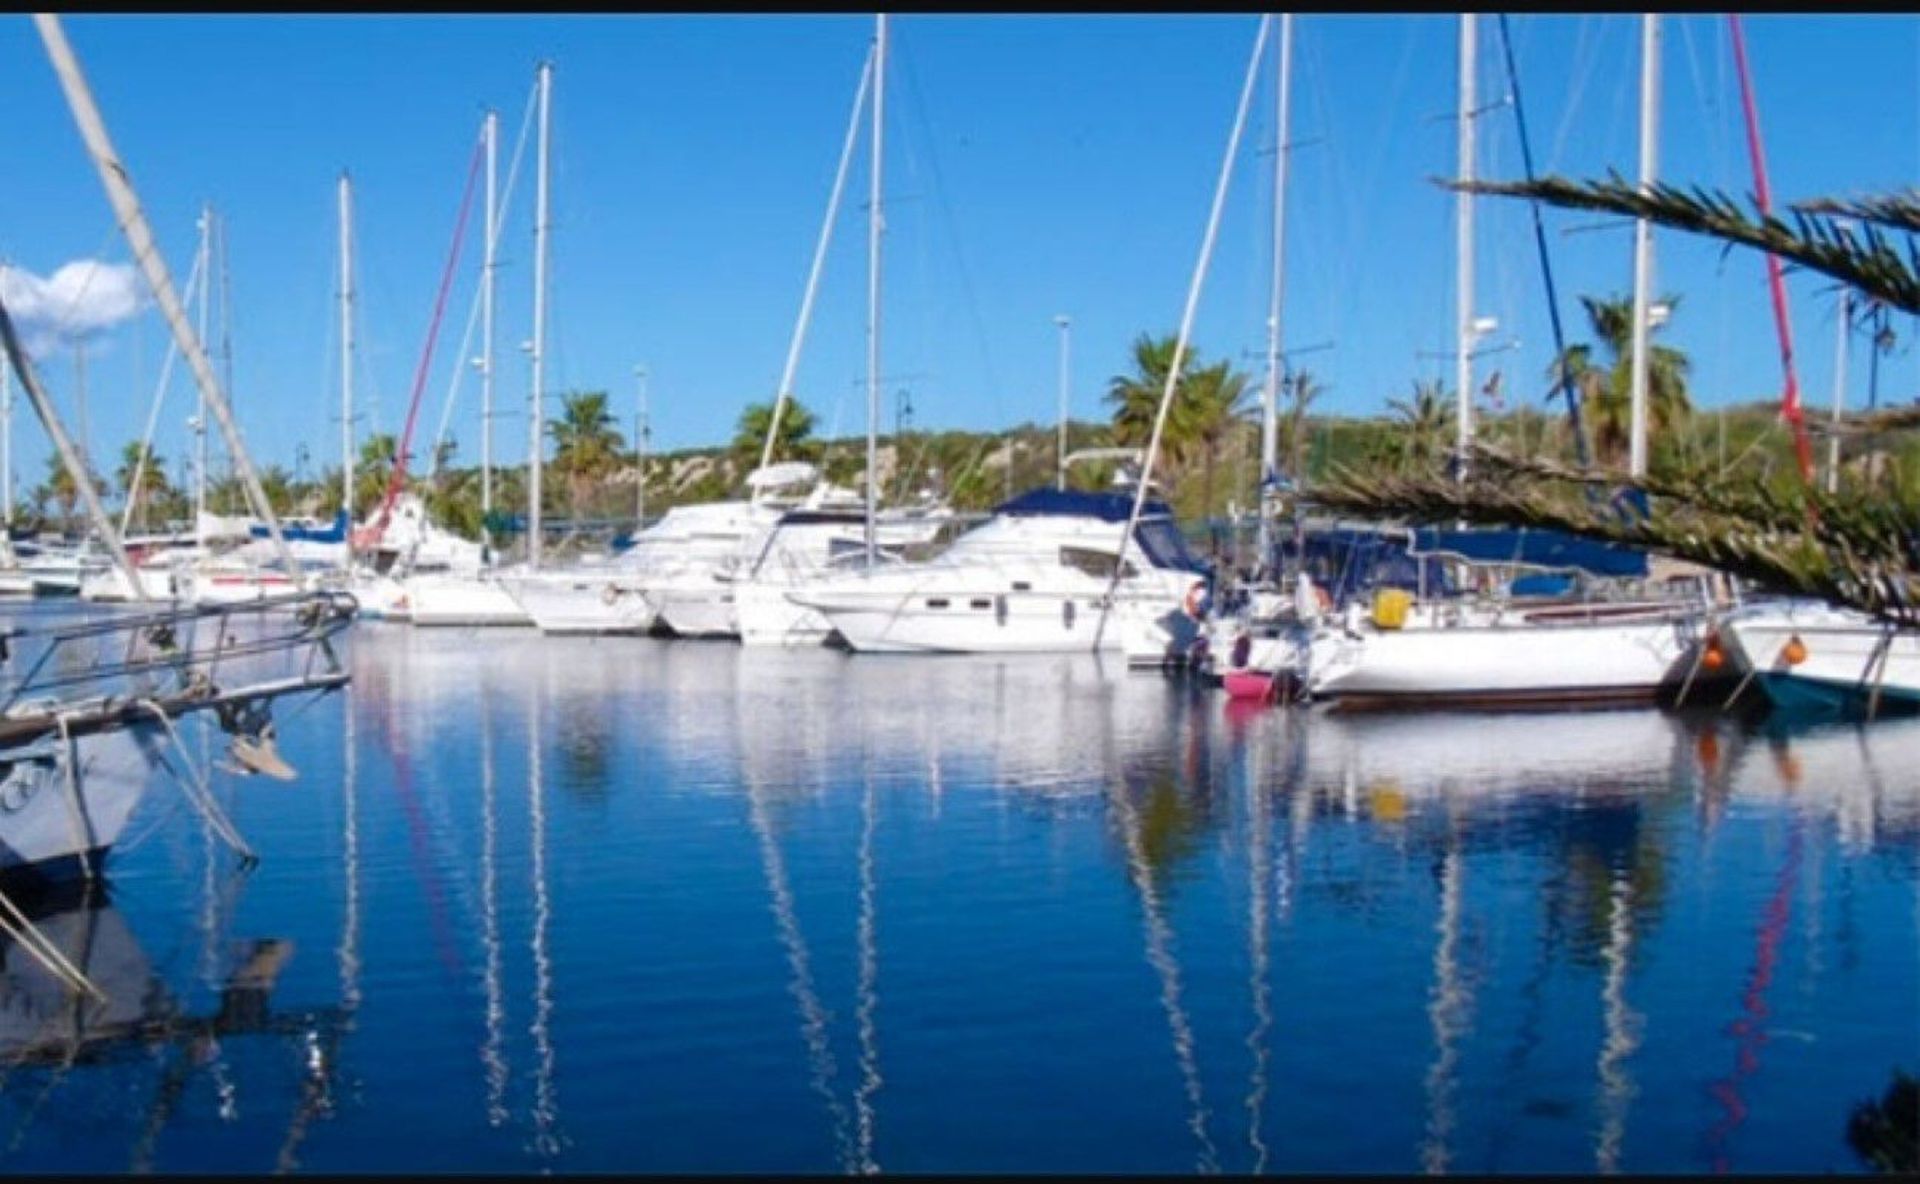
x=1513 y=942
x=144 y=1034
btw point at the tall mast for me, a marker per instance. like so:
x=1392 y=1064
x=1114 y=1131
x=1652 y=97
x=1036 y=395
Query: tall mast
x=1839 y=388
x=1776 y=285
x=539 y=322
x=80 y=402
x=200 y=414
x=6 y=447
x=1463 y=247
x=346 y=344
x=140 y=242
x=1270 y=398
x=486 y=320
x=1643 y=239
x=819 y=260
x=873 y=281
x=226 y=321
x=1185 y=337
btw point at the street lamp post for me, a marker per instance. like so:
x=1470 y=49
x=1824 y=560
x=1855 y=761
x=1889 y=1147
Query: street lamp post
x=642 y=434
x=1066 y=344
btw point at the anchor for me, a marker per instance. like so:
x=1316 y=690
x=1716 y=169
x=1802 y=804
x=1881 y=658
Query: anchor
x=252 y=748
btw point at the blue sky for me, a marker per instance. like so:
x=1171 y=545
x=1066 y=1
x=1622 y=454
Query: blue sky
x=1036 y=166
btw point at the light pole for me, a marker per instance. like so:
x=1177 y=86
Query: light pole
x=642 y=432
x=1066 y=344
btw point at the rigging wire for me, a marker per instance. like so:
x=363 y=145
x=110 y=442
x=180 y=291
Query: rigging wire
x=473 y=311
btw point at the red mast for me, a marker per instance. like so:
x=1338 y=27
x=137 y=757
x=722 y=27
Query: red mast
x=399 y=476
x=1790 y=399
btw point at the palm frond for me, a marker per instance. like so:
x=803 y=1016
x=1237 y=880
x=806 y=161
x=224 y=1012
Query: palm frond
x=1898 y=210
x=1855 y=551
x=1859 y=256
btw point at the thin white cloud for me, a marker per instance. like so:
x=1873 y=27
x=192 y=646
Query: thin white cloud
x=81 y=299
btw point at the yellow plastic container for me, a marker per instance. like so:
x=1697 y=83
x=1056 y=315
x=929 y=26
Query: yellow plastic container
x=1390 y=607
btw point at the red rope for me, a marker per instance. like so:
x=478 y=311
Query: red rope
x=433 y=332
x=1790 y=399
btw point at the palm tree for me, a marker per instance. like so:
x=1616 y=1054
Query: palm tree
x=796 y=432
x=60 y=487
x=139 y=465
x=373 y=470
x=1424 y=417
x=1606 y=392
x=1207 y=404
x=586 y=445
x=1136 y=397
x=1215 y=405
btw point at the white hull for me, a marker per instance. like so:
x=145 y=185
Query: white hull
x=39 y=828
x=17 y=583
x=1508 y=662
x=1033 y=622
x=381 y=598
x=767 y=617
x=696 y=605
x=1839 y=651
x=582 y=602
x=444 y=601
x=234 y=587
x=110 y=586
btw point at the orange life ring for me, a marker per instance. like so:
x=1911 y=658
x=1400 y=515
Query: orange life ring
x=1322 y=599
x=1196 y=600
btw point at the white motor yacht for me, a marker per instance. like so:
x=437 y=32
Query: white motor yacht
x=805 y=546
x=1033 y=578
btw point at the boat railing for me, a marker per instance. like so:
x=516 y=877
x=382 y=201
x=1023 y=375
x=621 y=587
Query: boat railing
x=93 y=673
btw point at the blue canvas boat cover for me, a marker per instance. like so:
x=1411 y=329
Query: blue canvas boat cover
x=1549 y=549
x=1108 y=507
x=335 y=532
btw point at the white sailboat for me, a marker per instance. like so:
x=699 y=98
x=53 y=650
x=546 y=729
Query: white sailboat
x=1504 y=649
x=1809 y=656
x=821 y=539
x=1033 y=578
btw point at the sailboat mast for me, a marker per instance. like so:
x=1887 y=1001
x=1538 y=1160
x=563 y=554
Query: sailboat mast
x=140 y=243
x=785 y=393
x=200 y=414
x=873 y=281
x=80 y=403
x=1270 y=400
x=1463 y=246
x=1839 y=388
x=6 y=447
x=1643 y=240
x=226 y=320
x=486 y=319
x=346 y=344
x=539 y=322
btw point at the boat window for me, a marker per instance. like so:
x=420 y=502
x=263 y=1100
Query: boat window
x=1165 y=545
x=980 y=603
x=937 y=603
x=1094 y=563
x=1022 y=586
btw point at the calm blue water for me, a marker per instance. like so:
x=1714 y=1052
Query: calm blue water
x=589 y=905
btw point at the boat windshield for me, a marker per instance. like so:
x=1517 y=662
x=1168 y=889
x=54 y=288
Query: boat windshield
x=1165 y=546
